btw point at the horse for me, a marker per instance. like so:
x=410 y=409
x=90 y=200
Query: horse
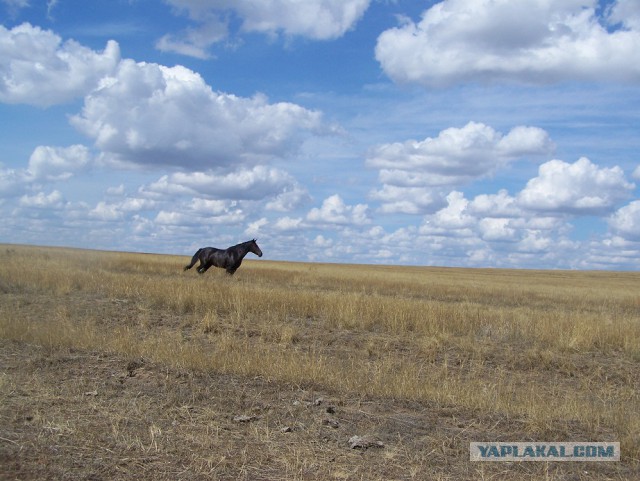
x=228 y=259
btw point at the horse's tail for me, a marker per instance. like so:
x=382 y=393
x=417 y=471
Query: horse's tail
x=194 y=259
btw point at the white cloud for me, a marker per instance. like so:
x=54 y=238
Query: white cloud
x=288 y=224
x=523 y=40
x=496 y=229
x=148 y=114
x=58 y=163
x=137 y=204
x=414 y=173
x=323 y=242
x=452 y=220
x=117 y=191
x=493 y=230
x=290 y=198
x=580 y=188
x=314 y=19
x=257 y=183
x=625 y=12
x=255 y=228
x=407 y=200
x=106 y=212
x=195 y=41
x=37 y=68
x=610 y=253
x=54 y=200
x=626 y=221
x=335 y=212
x=197 y=214
x=12 y=182
x=457 y=155
x=210 y=207
x=498 y=205
x=535 y=242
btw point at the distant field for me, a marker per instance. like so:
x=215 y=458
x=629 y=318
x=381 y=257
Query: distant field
x=122 y=366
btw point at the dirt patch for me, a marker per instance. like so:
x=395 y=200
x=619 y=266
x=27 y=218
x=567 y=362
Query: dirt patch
x=69 y=414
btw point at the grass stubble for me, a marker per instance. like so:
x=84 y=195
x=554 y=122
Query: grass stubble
x=119 y=365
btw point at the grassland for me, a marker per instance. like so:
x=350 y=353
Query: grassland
x=122 y=366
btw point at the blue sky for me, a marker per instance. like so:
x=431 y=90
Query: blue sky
x=459 y=133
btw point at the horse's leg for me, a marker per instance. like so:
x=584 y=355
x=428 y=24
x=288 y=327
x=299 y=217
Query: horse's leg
x=203 y=267
x=231 y=270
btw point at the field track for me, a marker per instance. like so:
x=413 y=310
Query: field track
x=122 y=366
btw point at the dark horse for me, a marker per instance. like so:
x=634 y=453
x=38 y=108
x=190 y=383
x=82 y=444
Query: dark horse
x=229 y=259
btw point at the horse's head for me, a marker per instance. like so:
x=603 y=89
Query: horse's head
x=253 y=247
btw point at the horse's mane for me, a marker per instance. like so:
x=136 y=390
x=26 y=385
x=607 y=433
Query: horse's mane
x=243 y=243
x=246 y=242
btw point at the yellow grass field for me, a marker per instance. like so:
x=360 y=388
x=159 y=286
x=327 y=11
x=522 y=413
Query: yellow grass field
x=122 y=366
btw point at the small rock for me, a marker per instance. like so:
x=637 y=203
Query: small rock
x=331 y=422
x=286 y=429
x=91 y=393
x=133 y=366
x=243 y=418
x=318 y=401
x=364 y=442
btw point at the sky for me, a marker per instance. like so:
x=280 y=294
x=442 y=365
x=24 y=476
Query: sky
x=462 y=133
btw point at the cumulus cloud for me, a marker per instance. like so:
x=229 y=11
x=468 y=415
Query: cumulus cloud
x=256 y=183
x=58 y=163
x=291 y=197
x=148 y=114
x=118 y=210
x=465 y=230
x=334 y=211
x=626 y=13
x=288 y=224
x=12 y=182
x=452 y=220
x=46 y=164
x=457 y=155
x=198 y=214
x=521 y=40
x=314 y=19
x=578 y=188
x=414 y=173
x=37 y=68
x=495 y=205
x=533 y=227
x=195 y=41
x=625 y=222
x=193 y=215
x=106 y=212
x=497 y=229
x=406 y=199
x=53 y=200
x=255 y=228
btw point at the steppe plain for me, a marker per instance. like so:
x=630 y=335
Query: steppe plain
x=122 y=366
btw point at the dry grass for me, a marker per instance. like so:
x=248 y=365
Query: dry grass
x=467 y=355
